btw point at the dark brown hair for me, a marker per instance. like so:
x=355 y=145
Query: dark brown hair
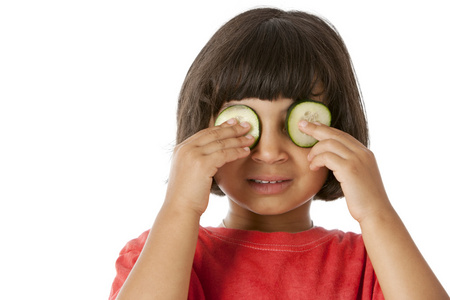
x=268 y=53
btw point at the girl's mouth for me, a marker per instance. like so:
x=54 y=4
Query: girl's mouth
x=269 y=186
x=264 y=181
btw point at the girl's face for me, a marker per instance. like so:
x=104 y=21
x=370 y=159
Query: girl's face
x=275 y=178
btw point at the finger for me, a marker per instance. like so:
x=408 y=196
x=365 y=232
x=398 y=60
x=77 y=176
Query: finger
x=330 y=145
x=323 y=132
x=231 y=128
x=229 y=122
x=224 y=156
x=226 y=130
x=329 y=160
x=222 y=144
x=317 y=130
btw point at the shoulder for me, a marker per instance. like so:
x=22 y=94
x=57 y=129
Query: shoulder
x=135 y=244
x=126 y=260
x=345 y=238
x=131 y=251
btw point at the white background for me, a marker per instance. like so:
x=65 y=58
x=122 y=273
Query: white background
x=88 y=93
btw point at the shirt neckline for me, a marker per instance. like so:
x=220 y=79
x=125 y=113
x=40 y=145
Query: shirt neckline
x=273 y=241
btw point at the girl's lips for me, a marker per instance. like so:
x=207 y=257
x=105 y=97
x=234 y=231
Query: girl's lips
x=269 y=178
x=269 y=185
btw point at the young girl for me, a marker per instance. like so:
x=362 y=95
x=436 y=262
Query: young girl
x=267 y=246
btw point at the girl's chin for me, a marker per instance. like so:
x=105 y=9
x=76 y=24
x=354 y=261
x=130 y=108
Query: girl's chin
x=269 y=206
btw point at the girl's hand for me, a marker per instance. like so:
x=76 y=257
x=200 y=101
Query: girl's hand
x=401 y=270
x=353 y=165
x=196 y=160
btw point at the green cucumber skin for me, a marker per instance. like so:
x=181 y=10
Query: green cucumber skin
x=292 y=125
x=256 y=132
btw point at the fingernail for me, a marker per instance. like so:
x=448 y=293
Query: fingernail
x=249 y=136
x=245 y=124
x=231 y=121
x=303 y=123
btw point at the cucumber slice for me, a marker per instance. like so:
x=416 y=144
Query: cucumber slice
x=311 y=111
x=242 y=113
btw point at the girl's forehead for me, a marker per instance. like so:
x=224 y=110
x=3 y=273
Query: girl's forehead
x=317 y=94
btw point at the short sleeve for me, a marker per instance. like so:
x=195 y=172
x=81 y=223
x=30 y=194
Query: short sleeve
x=127 y=258
x=371 y=284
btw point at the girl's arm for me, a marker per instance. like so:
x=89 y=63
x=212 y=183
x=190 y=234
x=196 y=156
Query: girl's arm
x=401 y=270
x=163 y=269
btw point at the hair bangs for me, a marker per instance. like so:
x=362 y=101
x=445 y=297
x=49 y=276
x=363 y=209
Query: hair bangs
x=272 y=60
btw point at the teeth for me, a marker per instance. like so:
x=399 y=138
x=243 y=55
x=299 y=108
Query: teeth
x=264 y=181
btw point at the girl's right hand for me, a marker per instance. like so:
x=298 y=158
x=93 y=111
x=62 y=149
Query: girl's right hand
x=196 y=160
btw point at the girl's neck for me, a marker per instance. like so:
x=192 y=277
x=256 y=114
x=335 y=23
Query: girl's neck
x=293 y=221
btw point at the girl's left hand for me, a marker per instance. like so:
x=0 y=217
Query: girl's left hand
x=400 y=268
x=353 y=165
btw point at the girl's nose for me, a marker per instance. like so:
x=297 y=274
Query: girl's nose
x=270 y=148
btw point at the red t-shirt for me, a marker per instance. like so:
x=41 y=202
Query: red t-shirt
x=240 y=264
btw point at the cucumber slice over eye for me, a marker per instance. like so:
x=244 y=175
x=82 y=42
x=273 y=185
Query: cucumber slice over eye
x=311 y=111
x=242 y=113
